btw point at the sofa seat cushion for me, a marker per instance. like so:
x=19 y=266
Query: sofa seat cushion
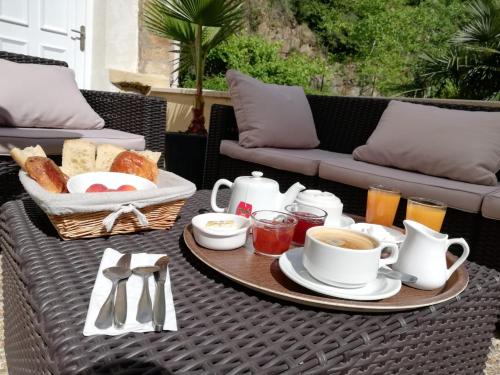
x=491 y=206
x=459 y=195
x=303 y=161
x=52 y=139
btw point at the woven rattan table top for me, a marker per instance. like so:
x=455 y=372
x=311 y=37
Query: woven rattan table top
x=224 y=328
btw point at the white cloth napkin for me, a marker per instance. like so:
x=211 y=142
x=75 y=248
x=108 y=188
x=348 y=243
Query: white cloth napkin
x=102 y=287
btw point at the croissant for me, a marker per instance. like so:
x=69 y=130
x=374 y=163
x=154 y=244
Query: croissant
x=48 y=175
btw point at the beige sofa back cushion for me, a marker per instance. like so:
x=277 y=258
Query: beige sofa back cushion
x=271 y=115
x=43 y=96
x=460 y=145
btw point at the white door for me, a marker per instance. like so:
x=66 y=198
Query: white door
x=45 y=28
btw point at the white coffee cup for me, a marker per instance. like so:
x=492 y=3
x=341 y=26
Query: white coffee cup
x=324 y=200
x=336 y=263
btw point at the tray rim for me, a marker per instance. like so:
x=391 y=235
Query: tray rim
x=336 y=303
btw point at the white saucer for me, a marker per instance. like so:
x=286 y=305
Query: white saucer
x=291 y=265
x=397 y=236
x=345 y=221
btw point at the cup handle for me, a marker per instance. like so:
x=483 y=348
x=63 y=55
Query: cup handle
x=463 y=257
x=393 y=258
x=215 y=190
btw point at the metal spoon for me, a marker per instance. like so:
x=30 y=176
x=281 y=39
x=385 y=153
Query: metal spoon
x=393 y=274
x=144 y=309
x=105 y=317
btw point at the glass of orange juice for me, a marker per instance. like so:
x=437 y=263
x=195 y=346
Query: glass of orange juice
x=426 y=211
x=382 y=205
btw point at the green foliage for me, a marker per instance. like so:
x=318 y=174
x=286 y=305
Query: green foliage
x=263 y=60
x=383 y=38
x=470 y=67
x=196 y=26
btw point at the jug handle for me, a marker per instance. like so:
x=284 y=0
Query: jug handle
x=215 y=190
x=463 y=257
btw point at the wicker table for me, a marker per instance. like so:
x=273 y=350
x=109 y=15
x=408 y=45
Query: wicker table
x=223 y=328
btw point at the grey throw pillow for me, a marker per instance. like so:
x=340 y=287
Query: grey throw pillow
x=460 y=145
x=271 y=115
x=43 y=96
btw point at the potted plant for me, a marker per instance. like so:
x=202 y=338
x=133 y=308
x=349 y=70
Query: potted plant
x=195 y=27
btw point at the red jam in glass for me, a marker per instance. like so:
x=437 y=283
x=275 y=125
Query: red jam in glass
x=272 y=240
x=305 y=221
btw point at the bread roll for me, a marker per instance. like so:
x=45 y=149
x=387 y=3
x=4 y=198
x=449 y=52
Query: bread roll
x=20 y=156
x=48 y=175
x=132 y=163
x=106 y=154
x=154 y=156
x=78 y=156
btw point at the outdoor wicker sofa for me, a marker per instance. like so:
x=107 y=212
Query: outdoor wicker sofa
x=342 y=124
x=132 y=113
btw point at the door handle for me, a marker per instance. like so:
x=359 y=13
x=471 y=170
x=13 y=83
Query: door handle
x=81 y=38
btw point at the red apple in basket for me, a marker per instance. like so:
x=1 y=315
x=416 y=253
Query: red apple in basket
x=96 y=188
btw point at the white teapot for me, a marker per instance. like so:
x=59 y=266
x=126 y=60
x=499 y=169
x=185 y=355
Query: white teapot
x=254 y=193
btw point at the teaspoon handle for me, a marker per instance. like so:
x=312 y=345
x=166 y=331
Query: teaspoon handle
x=144 y=310
x=105 y=317
x=120 y=312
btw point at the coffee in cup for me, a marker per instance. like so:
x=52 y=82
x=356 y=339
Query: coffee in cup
x=344 y=257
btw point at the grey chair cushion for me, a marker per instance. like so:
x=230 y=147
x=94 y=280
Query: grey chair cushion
x=456 y=144
x=491 y=206
x=43 y=96
x=293 y=160
x=271 y=115
x=459 y=195
x=52 y=139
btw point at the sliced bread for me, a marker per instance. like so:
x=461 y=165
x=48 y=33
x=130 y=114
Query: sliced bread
x=78 y=156
x=20 y=156
x=105 y=155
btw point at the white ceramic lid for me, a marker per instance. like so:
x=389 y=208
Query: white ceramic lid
x=318 y=197
x=257 y=179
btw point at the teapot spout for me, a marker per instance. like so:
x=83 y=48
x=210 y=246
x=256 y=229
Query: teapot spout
x=292 y=193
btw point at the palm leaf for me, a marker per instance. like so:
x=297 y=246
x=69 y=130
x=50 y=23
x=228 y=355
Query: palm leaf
x=217 y=13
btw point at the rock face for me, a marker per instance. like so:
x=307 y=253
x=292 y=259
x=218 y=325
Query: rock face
x=273 y=20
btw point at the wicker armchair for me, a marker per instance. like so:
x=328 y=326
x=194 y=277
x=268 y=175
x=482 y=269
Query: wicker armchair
x=132 y=113
x=342 y=124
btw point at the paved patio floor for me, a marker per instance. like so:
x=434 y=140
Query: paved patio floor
x=492 y=366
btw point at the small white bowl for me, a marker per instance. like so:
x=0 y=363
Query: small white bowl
x=112 y=180
x=220 y=238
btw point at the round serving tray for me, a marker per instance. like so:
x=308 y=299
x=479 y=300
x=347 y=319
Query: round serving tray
x=263 y=274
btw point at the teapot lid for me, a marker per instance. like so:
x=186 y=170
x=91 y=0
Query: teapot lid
x=257 y=178
x=318 y=197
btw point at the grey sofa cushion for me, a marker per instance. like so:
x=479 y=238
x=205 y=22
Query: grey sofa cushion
x=271 y=115
x=299 y=161
x=461 y=145
x=52 y=139
x=491 y=206
x=43 y=96
x=456 y=194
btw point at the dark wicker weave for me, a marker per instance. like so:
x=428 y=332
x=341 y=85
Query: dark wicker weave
x=224 y=328
x=342 y=124
x=145 y=115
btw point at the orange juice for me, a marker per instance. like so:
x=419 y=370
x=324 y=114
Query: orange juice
x=382 y=205
x=426 y=212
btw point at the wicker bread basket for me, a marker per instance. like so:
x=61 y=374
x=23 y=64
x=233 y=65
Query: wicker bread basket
x=84 y=216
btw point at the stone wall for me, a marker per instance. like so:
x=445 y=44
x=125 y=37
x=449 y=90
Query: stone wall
x=154 y=52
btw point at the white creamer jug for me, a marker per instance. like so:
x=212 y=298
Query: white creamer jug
x=423 y=254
